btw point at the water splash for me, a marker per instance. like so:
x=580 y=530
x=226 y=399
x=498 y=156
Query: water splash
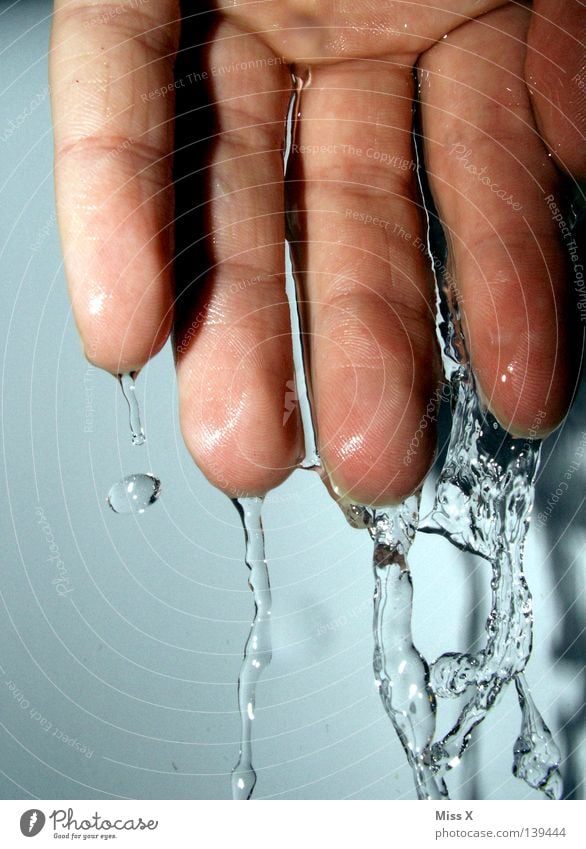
x=483 y=504
x=258 y=649
x=401 y=673
x=536 y=756
x=127 y=384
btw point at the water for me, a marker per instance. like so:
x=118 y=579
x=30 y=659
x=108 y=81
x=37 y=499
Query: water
x=401 y=673
x=134 y=493
x=127 y=383
x=258 y=651
x=536 y=756
x=483 y=503
x=301 y=80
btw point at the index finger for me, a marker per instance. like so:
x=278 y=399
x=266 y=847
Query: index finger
x=112 y=83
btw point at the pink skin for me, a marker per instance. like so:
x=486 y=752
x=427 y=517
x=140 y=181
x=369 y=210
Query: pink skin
x=358 y=228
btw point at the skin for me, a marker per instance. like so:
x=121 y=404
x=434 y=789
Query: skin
x=501 y=91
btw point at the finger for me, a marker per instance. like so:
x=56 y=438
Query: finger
x=367 y=279
x=491 y=178
x=234 y=349
x=112 y=80
x=555 y=71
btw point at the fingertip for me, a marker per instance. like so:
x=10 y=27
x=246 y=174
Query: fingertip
x=386 y=481
x=528 y=390
x=236 y=435
x=121 y=330
x=377 y=442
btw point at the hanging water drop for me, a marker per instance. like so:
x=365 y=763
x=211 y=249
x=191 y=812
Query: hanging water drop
x=129 y=391
x=134 y=493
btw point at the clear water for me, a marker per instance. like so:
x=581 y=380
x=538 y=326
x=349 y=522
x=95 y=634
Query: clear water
x=401 y=673
x=301 y=79
x=127 y=384
x=483 y=503
x=536 y=756
x=134 y=493
x=258 y=650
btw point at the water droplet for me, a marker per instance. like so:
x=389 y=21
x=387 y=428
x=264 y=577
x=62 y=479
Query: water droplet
x=134 y=493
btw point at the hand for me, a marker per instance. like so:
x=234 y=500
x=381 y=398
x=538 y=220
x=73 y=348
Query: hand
x=357 y=223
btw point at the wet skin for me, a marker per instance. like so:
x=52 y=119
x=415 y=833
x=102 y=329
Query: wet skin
x=502 y=110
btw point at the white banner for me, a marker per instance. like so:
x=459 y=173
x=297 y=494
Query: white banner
x=280 y=824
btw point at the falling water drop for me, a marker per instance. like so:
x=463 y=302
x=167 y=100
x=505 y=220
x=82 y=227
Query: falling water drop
x=134 y=493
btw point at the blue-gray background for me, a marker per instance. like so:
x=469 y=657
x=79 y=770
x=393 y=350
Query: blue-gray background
x=124 y=685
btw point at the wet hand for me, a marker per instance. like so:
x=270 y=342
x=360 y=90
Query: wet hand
x=357 y=225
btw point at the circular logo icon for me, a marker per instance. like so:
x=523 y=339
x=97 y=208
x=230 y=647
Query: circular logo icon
x=31 y=822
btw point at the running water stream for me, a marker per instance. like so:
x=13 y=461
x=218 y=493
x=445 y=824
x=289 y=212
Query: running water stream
x=258 y=651
x=401 y=673
x=483 y=503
